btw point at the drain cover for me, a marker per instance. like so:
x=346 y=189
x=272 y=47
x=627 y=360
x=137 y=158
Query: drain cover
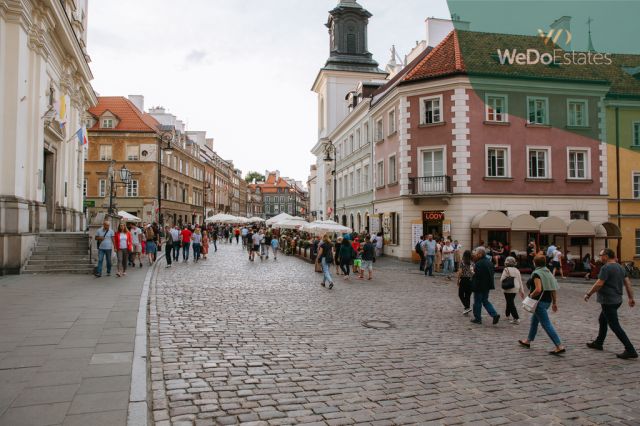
x=378 y=325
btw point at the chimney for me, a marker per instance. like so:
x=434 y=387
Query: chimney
x=138 y=101
x=209 y=143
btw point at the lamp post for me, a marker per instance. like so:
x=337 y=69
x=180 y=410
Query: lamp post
x=125 y=179
x=164 y=138
x=330 y=149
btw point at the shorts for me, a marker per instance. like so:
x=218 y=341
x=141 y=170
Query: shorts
x=256 y=247
x=367 y=265
x=151 y=247
x=357 y=262
x=556 y=265
x=137 y=248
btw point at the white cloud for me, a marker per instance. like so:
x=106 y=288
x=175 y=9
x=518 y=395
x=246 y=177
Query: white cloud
x=240 y=70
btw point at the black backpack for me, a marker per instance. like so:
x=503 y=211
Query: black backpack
x=418 y=247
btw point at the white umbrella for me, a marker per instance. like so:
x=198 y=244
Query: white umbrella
x=255 y=219
x=293 y=223
x=321 y=226
x=221 y=218
x=128 y=217
x=278 y=218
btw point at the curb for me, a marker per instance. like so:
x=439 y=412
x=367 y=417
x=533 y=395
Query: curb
x=138 y=413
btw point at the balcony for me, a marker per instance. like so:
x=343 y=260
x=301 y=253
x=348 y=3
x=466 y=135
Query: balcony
x=431 y=185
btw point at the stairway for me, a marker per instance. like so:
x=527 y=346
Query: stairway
x=60 y=252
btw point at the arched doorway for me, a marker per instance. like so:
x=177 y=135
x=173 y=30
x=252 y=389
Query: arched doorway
x=344 y=220
x=351 y=221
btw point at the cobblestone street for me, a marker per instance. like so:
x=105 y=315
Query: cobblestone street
x=234 y=341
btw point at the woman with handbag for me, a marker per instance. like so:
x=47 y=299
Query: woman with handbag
x=465 y=274
x=543 y=294
x=511 y=281
x=123 y=245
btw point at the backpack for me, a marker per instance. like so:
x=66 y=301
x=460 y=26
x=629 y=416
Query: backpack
x=418 y=247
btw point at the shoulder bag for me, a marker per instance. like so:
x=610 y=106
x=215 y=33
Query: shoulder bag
x=508 y=282
x=530 y=304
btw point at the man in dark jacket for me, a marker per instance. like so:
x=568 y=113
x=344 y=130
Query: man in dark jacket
x=482 y=283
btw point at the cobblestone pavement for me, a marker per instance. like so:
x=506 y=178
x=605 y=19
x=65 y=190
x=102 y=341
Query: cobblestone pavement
x=263 y=343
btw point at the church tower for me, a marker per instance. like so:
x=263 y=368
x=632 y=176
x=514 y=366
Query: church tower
x=349 y=63
x=348 y=38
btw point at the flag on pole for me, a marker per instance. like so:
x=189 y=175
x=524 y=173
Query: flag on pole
x=63 y=110
x=81 y=134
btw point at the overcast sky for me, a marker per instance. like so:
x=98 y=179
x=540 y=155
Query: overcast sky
x=241 y=70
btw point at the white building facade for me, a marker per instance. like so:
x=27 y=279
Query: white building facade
x=45 y=91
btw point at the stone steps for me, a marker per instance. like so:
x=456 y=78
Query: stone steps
x=60 y=253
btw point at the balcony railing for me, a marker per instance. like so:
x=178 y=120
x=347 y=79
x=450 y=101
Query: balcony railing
x=431 y=185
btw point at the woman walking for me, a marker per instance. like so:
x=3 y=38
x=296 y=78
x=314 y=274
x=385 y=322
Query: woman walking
x=124 y=246
x=543 y=288
x=465 y=273
x=205 y=244
x=511 y=285
x=196 y=239
x=325 y=257
x=336 y=255
x=150 y=237
x=347 y=255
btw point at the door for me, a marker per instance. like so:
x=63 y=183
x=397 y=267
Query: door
x=432 y=180
x=49 y=187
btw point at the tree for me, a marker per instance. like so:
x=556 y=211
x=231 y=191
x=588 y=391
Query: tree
x=254 y=175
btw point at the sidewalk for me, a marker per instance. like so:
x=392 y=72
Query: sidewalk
x=66 y=348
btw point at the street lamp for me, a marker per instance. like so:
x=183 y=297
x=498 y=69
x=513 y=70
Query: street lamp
x=163 y=139
x=331 y=149
x=125 y=180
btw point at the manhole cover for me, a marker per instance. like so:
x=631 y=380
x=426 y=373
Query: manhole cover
x=378 y=325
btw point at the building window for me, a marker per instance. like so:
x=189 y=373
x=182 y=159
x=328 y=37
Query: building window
x=365 y=184
x=84 y=188
x=351 y=185
x=351 y=145
x=395 y=228
x=380 y=174
x=393 y=175
x=538 y=163
x=392 y=121
x=539 y=213
x=496 y=108
x=358 y=139
x=105 y=152
x=577 y=113
x=537 y=110
x=102 y=187
x=430 y=110
x=365 y=129
x=379 y=130
x=132 y=188
x=578 y=164
x=133 y=152
x=637 y=242
x=497 y=162
x=433 y=163
x=107 y=123
x=636 y=134
x=184 y=195
x=579 y=214
x=358 y=181
x=636 y=185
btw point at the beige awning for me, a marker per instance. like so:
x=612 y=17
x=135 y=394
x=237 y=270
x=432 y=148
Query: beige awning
x=581 y=228
x=491 y=220
x=525 y=222
x=608 y=230
x=552 y=225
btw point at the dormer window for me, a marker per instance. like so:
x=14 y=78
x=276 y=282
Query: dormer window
x=107 y=123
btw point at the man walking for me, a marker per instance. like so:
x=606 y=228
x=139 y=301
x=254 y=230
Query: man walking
x=175 y=236
x=611 y=279
x=447 y=258
x=482 y=284
x=430 y=254
x=104 y=237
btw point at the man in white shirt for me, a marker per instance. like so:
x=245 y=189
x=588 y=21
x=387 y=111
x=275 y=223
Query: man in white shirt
x=136 y=239
x=175 y=236
x=447 y=258
x=556 y=262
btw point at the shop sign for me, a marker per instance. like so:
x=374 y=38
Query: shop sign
x=432 y=216
x=89 y=203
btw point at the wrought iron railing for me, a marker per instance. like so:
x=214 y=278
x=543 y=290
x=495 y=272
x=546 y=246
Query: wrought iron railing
x=431 y=185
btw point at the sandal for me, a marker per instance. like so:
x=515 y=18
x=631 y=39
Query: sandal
x=526 y=345
x=557 y=352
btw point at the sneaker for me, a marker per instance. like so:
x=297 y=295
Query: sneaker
x=466 y=311
x=322 y=284
x=331 y=286
x=515 y=321
x=627 y=355
x=595 y=345
x=496 y=319
x=475 y=321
